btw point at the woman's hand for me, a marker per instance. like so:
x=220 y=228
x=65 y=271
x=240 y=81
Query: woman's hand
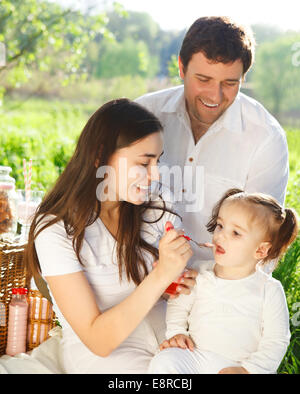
x=174 y=253
x=179 y=340
x=186 y=282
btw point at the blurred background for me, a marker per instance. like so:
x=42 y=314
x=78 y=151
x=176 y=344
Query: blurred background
x=62 y=59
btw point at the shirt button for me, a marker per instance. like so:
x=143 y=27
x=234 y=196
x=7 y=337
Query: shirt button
x=183 y=190
x=191 y=159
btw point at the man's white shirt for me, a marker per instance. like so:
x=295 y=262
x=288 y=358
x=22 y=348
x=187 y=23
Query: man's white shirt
x=245 y=148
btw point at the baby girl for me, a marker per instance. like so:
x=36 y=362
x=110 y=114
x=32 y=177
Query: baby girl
x=236 y=318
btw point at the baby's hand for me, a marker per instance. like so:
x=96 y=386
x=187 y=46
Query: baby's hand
x=233 y=370
x=179 y=340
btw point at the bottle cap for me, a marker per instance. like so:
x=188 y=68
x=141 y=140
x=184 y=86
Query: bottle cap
x=19 y=290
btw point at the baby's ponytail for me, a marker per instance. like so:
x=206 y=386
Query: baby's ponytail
x=286 y=234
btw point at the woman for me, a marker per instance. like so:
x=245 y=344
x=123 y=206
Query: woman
x=94 y=240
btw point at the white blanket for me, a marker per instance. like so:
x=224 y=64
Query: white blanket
x=44 y=359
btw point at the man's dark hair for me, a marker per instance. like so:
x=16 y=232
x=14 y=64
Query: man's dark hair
x=220 y=39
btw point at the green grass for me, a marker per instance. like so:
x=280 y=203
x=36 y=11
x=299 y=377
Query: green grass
x=293 y=137
x=46 y=131
x=288 y=270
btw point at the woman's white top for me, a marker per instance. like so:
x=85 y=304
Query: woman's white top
x=245 y=320
x=57 y=257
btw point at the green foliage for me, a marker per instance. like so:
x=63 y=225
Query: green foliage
x=293 y=140
x=276 y=76
x=44 y=36
x=174 y=71
x=126 y=58
x=97 y=92
x=288 y=273
x=43 y=131
x=137 y=27
x=288 y=270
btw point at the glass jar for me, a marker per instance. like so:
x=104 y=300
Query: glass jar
x=8 y=202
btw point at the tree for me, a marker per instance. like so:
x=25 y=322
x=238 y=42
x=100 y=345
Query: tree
x=138 y=26
x=276 y=77
x=170 y=43
x=44 y=36
x=125 y=58
x=174 y=70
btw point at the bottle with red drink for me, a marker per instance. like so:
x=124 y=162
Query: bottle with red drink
x=17 y=322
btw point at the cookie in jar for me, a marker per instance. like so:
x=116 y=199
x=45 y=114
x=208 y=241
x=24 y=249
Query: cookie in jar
x=8 y=216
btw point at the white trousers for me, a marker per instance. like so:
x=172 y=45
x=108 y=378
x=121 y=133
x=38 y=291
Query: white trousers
x=175 y=360
x=131 y=357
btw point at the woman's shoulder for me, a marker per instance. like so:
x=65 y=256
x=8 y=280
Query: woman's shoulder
x=54 y=247
x=49 y=224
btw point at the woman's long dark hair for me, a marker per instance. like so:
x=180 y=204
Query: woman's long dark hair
x=113 y=126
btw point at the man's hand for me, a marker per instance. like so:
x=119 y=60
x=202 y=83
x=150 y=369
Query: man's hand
x=233 y=370
x=180 y=340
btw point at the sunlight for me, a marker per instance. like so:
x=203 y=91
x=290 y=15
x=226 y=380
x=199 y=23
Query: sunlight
x=177 y=17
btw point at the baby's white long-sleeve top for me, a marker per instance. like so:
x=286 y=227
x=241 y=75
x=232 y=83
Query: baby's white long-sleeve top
x=245 y=320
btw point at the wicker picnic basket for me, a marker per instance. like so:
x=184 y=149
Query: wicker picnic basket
x=41 y=319
x=13 y=274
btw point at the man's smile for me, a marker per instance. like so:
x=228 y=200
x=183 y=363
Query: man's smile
x=208 y=105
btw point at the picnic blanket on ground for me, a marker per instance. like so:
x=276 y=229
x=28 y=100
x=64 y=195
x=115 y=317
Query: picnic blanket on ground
x=44 y=359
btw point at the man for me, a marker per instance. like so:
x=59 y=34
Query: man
x=219 y=137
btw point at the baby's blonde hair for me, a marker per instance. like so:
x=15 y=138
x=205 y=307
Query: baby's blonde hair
x=281 y=225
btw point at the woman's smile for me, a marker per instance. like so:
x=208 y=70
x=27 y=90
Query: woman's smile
x=142 y=189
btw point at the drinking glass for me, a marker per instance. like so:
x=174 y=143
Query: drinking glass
x=26 y=210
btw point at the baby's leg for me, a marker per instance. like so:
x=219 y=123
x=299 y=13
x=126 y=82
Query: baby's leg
x=183 y=361
x=212 y=363
x=173 y=360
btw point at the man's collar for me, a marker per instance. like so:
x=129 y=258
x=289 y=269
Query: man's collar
x=176 y=102
x=231 y=120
